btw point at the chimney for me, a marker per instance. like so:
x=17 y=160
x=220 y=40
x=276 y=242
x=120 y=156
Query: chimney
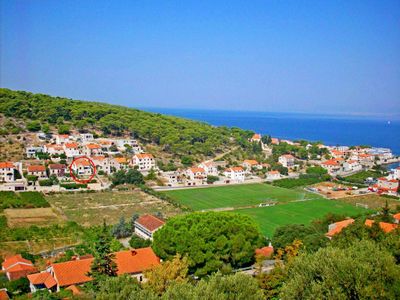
x=133 y=252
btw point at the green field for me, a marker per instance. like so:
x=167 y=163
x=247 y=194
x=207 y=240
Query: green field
x=269 y=218
x=236 y=196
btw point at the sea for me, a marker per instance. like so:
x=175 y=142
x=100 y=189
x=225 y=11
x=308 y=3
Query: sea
x=330 y=129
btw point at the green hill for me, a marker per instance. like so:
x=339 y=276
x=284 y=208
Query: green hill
x=178 y=136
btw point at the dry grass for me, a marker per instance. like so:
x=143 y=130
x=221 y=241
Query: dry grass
x=373 y=201
x=32 y=216
x=92 y=208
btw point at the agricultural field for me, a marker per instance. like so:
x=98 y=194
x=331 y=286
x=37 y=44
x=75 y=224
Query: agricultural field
x=235 y=196
x=22 y=200
x=92 y=208
x=25 y=217
x=302 y=212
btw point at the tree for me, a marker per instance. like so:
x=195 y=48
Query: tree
x=121 y=287
x=212 y=240
x=349 y=273
x=138 y=242
x=103 y=264
x=386 y=216
x=121 y=229
x=63 y=129
x=266 y=139
x=211 y=179
x=187 y=161
x=169 y=272
x=33 y=126
x=46 y=128
x=134 y=177
x=237 y=286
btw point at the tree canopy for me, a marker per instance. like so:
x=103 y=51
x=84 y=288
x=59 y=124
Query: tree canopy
x=212 y=240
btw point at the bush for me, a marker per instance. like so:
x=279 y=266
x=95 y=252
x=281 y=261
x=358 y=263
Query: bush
x=46 y=182
x=138 y=242
x=33 y=126
x=211 y=179
x=73 y=186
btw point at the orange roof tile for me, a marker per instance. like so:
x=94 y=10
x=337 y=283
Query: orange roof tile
x=273 y=172
x=135 y=261
x=197 y=170
x=93 y=146
x=256 y=136
x=121 y=160
x=36 y=168
x=71 y=145
x=397 y=216
x=144 y=155
x=265 y=251
x=251 y=162
x=4 y=165
x=57 y=166
x=4 y=295
x=339 y=226
x=386 y=227
x=150 y=222
x=42 y=278
x=72 y=272
x=330 y=162
x=74 y=289
x=12 y=260
x=99 y=158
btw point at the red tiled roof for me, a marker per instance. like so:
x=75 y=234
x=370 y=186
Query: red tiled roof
x=256 y=136
x=36 y=168
x=72 y=272
x=251 y=162
x=71 y=145
x=150 y=222
x=4 y=295
x=135 y=261
x=290 y=156
x=386 y=227
x=121 y=160
x=397 y=216
x=144 y=155
x=4 y=165
x=42 y=278
x=273 y=172
x=74 y=289
x=234 y=169
x=75 y=271
x=339 y=226
x=57 y=166
x=197 y=170
x=265 y=251
x=93 y=146
x=331 y=162
x=21 y=267
x=12 y=260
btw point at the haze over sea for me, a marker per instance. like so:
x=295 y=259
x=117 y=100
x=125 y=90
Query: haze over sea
x=330 y=129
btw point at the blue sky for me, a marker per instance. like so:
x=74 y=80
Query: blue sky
x=291 y=56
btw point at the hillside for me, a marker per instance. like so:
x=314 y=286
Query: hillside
x=24 y=111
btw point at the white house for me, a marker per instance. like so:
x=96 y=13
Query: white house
x=31 y=151
x=286 y=160
x=92 y=149
x=144 y=161
x=235 y=174
x=273 y=175
x=333 y=166
x=130 y=142
x=86 y=137
x=210 y=168
x=37 y=170
x=82 y=167
x=352 y=165
x=72 y=150
x=7 y=172
x=53 y=149
x=196 y=173
x=172 y=177
x=249 y=164
x=62 y=138
x=119 y=163
x=102 y=163
x=146 y=225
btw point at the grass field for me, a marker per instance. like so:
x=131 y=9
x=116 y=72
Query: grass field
x=236 y=196
x=91 y=208
x=373 y=201
x=25 y=217
x=269 y=218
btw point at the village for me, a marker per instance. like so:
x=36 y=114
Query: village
x=55 y=162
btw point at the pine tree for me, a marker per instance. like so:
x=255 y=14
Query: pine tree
x=103 y=264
